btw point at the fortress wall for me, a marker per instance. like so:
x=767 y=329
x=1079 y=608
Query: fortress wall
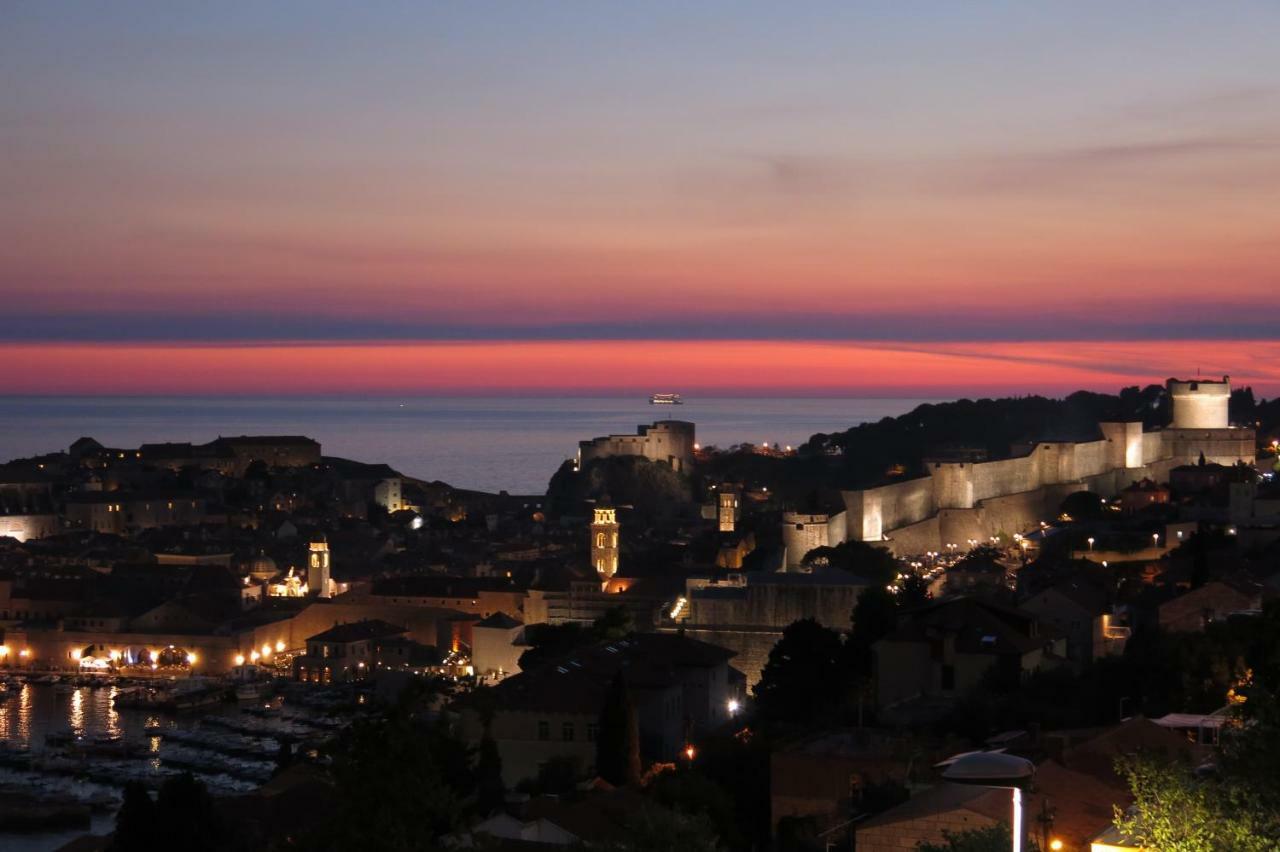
x=916 y=538
x=838 y=528
x=957 y=526
x=874 y=511
x=952 y=484
x=1089 y=459
x=752 y=646
x=1007 y=476
x=1125 y=443
x=780 y=604
x=1152 y=447
x=1017 y=512
x=1221 y=446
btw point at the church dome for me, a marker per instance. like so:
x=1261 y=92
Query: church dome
x=263 y=567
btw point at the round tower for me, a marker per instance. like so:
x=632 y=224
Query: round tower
x=1200 y=403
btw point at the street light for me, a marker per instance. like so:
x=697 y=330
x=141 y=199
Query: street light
x=1091 y=542
x=999 y=770
x=1155 y=539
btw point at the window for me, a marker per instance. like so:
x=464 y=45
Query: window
x=566 y=732
x=592 y=730
x=544 y=731
x=600 y=539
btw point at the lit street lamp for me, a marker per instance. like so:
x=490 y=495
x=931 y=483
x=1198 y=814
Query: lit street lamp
x=1091 y=542
x=999 y=770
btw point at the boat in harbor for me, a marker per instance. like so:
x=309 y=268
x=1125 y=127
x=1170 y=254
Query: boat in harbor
x=666 y=399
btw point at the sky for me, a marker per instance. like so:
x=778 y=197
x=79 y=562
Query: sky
x=719 y=197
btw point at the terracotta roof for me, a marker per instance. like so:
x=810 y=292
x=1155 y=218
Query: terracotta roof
x=500 y=620
x=357 y=631
x=577 y=682
x=945 y=798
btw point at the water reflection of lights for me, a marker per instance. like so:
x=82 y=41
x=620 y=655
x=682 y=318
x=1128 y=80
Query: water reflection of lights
x=76 y=717
x=113 y=715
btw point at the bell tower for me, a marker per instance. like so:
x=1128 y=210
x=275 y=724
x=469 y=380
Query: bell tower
x=318 y=567
x=604 y=543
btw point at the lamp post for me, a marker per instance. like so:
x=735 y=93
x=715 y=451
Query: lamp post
x=1091 y=542
x=999 y=770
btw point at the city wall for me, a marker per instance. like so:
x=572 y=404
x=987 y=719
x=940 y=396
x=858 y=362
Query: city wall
x=750 y=644
x=959 y=501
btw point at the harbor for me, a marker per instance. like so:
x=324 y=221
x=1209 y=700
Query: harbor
x=69 y=745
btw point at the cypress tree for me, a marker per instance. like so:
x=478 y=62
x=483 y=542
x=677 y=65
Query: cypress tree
x=618 y=737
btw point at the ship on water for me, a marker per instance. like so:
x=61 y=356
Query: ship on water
x=666 y=399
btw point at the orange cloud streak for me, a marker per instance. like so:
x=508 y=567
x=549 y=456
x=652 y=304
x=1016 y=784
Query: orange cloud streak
x=601 y=367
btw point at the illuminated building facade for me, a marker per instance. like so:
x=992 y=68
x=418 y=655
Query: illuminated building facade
x=604 y=543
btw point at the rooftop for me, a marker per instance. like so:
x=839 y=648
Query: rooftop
x=358 y=631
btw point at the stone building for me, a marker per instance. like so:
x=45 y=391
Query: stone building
x=1216 y=600
x=604 y=543
x=728 y=498
x=679 y=686
x=945 y=649
x=748 y=612
x=802 y=532
x=121 y=512
x=344 y=652
x=496 y=646
x=667 y=441
x=27 y=509
x=319 y=580
x=926 y=816
x=1200 y=403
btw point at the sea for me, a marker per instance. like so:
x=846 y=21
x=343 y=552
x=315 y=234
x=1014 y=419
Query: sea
x=493 y=444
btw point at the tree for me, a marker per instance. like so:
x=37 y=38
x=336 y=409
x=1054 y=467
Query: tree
x=136 y=821
x=802 y=679
x=657 y=829
x=558 y=776
x=695 y=794
x=618 y=737
x=489 y=784
x=913 y=591
x=1174 y=811
x=1082 y=506
x=995 y=838
x=185 y=816
x=391 y=793
x=874 y=617
x=876 y=564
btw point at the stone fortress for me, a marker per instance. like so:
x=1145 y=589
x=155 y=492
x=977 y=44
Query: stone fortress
x=669 y=441
x=962 y=500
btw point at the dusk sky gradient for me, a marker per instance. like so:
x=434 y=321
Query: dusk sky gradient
x=721 y=197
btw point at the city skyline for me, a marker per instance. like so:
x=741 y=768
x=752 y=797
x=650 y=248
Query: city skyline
x=708 y=199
